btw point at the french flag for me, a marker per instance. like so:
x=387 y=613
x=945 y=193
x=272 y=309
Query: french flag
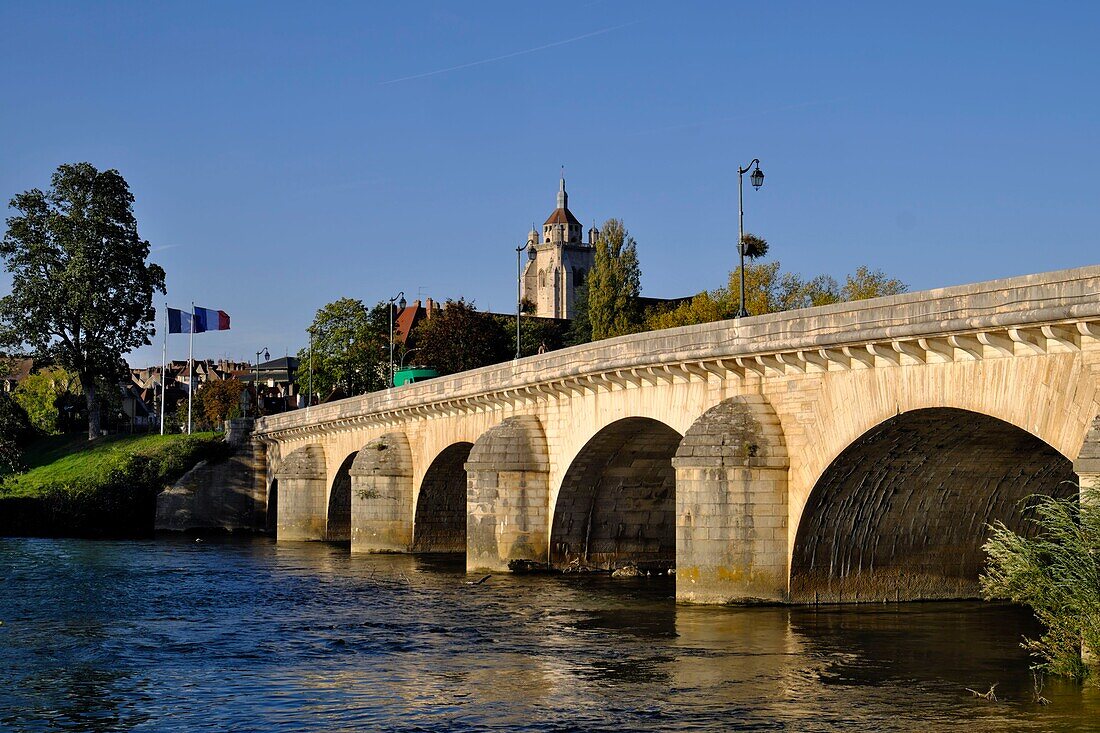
x=204 y=319
x=210 y=320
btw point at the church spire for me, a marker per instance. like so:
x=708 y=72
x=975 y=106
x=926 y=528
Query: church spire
x=563 y=197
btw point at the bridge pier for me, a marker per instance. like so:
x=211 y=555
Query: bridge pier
x=1087 y=465
x=731 y=505
x=301 y=485
x=382 y=496
x=508 y=496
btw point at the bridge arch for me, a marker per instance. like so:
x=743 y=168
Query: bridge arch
x=439 y=524
x=508 y=502
x=301 y=478
x=901 y=513
x=731 y=504
x=338 y=514
x=617 y=502
x=382 y=495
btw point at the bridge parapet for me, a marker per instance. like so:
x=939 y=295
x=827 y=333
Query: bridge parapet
x=1042 y=313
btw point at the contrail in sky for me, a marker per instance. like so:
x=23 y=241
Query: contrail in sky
x=510 y=55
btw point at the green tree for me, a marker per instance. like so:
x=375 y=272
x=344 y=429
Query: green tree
x=82 y=291
x=1057 y=573
x=768 y=289
x=580 y=327
x=460 y=337
x=614 y=283
x=220 y=400
x=350 y=349
x=535 y=333
x=865 y=283
x=15 y=431
x=44 y=395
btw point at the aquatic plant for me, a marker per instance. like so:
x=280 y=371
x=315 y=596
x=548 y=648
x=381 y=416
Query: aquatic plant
x=1057 y=574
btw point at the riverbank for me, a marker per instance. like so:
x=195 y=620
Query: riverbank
x=102 y=489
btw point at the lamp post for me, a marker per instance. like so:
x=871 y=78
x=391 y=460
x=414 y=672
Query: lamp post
x=757 y=180
x=519 y=288
x=309 y=394
x=400 y=300
x=406 y=355
x=256 y=383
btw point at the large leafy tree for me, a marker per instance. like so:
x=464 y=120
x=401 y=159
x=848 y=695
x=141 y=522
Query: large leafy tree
x=82 y=290
x=350 y=349
x=460 y=337
x=614 y=283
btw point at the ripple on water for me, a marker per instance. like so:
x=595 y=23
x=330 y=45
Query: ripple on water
x=251 y=635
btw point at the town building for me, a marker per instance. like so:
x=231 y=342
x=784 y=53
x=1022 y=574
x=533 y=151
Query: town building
x=558 y=262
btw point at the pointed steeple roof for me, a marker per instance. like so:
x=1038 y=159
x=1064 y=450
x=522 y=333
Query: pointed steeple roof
x=562 y=214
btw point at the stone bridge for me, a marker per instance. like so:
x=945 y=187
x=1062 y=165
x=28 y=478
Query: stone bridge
x=852 y=452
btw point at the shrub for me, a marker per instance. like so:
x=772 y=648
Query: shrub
x=1057 y=574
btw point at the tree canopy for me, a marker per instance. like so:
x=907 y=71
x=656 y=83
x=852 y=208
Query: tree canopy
x=768 y=289
x=15 y=430
x=45 y=395
x=82 y=291
x=220 y=400
x=459 y=337
x=350 y=349
x=614 y=283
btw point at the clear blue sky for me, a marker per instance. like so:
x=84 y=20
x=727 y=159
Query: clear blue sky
x=284 y=155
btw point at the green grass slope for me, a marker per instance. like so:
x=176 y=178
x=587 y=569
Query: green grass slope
x=108 y=487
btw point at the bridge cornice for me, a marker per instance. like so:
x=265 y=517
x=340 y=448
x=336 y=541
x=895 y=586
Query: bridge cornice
x=1031 y=315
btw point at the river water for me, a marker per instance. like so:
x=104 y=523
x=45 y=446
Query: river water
x=175 y=635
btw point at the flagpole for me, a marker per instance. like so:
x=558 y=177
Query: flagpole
x=190 y=366
x=163 y=368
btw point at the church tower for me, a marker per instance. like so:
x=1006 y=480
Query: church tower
x=558 y=261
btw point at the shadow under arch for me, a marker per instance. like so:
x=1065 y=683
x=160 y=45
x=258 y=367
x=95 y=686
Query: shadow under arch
x=902 y=513
x=338 y=514
x=439 y=524
x=271 y=516
x=617 y=502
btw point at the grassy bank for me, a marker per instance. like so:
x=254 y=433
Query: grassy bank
x=106 y=488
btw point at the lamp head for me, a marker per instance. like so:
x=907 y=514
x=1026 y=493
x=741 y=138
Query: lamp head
x=402 y=303
x=757 y=177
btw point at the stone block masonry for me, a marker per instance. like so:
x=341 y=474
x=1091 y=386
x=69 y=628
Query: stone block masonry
x=850 y=452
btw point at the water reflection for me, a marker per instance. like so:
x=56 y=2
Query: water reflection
x=175 y=635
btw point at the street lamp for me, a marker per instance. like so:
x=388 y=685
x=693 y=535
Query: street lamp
x=757 y=180
x=256 y=383
x=400 y=300
x=519 y=288
x=406 y=355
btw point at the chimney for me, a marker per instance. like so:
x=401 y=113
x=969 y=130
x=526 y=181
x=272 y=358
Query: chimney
x=428 y=305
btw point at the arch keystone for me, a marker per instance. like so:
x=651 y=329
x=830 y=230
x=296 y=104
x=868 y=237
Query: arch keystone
x=731 y=505
x=508 y=495
x=302 y=492
x=382 y=496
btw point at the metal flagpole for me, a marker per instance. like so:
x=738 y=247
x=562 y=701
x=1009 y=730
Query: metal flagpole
x=190 y=366
x=163 y=368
